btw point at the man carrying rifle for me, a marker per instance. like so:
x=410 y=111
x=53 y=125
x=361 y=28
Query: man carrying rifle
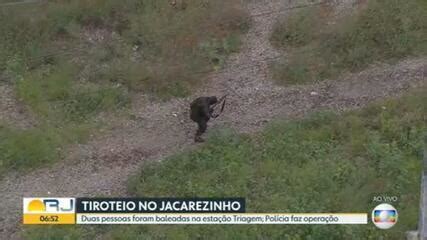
x=202 y=110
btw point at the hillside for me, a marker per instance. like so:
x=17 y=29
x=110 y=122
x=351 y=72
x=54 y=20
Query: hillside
x=81 y=123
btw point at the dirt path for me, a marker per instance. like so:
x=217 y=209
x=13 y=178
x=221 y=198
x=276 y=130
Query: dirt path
x=102 y=166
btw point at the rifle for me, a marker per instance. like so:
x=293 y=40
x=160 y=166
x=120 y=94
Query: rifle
x=221 y=100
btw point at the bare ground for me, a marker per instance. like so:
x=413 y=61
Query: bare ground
x=102 y=166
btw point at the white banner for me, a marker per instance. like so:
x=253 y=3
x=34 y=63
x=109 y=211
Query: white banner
x=221 y=218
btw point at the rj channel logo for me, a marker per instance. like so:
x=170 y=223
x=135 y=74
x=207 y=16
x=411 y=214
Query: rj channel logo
x=49 y=210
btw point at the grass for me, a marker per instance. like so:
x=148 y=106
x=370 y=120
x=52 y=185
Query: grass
x=52 y=94
x=30 y=148
x=323 y=163
x=380 y=31
x=27 y=148
x=148 y=46
x=71 y=60
x=297 y=30
x=57 y=232
x=64 y=111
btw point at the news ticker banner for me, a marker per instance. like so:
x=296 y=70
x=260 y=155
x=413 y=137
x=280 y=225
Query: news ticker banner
x=166 y=211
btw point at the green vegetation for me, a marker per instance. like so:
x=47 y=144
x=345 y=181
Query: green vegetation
x=298 y=29
x=382 y=30
x=25 y=149
x=71 y=60
x=57 y=232
x=150 y=46
x=324 y=163
x=51 y=94
x=64 y=112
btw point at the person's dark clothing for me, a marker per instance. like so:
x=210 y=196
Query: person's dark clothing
x=201 y=112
